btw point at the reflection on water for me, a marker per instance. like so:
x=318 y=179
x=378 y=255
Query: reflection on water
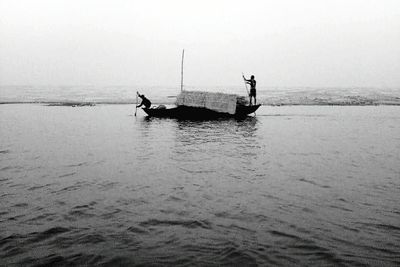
x=226 y=132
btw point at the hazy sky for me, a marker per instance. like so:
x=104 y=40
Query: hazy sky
x=281 y=42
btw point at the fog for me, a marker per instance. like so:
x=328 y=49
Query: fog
x=283 y=43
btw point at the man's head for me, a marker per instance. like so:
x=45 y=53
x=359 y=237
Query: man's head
x=252 y=77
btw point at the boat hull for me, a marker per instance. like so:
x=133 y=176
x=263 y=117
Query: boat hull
x=184 y=112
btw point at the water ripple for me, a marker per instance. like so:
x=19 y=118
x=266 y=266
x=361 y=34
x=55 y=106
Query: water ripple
x=320 y=189
x=184 y=223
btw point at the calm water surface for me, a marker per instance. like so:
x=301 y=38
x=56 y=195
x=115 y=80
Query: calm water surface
x=292 y=186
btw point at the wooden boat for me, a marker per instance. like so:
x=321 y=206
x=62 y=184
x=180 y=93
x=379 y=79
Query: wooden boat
x=185 y=112
x=204 y=105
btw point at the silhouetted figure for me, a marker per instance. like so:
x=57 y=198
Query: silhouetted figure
x=145 y=102
x=252 y=83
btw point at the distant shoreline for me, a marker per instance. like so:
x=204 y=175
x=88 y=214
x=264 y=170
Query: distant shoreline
x=82 y=104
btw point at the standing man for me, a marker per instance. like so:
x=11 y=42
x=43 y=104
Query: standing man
x=252 y=83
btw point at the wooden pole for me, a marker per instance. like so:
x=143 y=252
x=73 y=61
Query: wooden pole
x=183 y=55
x=136 y=103
x=245 y=84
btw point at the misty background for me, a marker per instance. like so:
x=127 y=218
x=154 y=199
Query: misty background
x=283 y=43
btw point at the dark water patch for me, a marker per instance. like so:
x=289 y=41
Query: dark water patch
x=6 y=151
x=308 y=181
x=132 y=201
x=235 y=256
x=222 y=214
x=202 y=248
x=308 y=210
x=314 y=183
x=344 y=242
x=4 y=213
x=388 y=227
x=285 y=235
x=67 y=174
x=174 y=199
x=194 y=171
x=11 y=238
x=367 y=204
x=75 y=215
x=49 y=233
x=38 y=187
x=68 y=188
x=12 y=250
x=346 y=227
x=82 y=259
x=93 y=238
x=16 y=217
x=242 y=216
x=306 y=247
x=47 y=261
x=137 y=230
x=111 y=214
x=184 y=223
x=92 y=203
x=178 y=188
x=6 y=168
x=237 y=228
x=326 y=256
x=41 y=219
x=126 y=261
x=340 y=208
x=74 y=187
x=378 y=226
x=107 y=185
x=176 y=212
x=83 y=207
x=310 y=253
x=21 y=205
x=76 y=165
x=63 y=241
x=378 y=248
x=19 y=185
x=60 y=202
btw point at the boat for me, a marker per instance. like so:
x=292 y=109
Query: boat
x=205 y=105
x=199 y=113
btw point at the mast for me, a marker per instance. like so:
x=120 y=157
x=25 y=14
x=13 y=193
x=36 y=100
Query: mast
x=183 y=55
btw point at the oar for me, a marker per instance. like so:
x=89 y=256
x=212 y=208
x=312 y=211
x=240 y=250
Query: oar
x=136 y=103
x=245 y=84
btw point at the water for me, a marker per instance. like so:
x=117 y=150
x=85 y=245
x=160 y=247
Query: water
x=165 y=95
x=295 y=185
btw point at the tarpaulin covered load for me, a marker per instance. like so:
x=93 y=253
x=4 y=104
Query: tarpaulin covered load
x=219 y=102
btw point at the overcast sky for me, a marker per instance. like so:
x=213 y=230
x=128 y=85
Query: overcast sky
x=283 y=43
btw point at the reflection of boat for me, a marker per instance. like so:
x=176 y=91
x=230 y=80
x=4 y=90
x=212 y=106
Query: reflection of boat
x=186 y=112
